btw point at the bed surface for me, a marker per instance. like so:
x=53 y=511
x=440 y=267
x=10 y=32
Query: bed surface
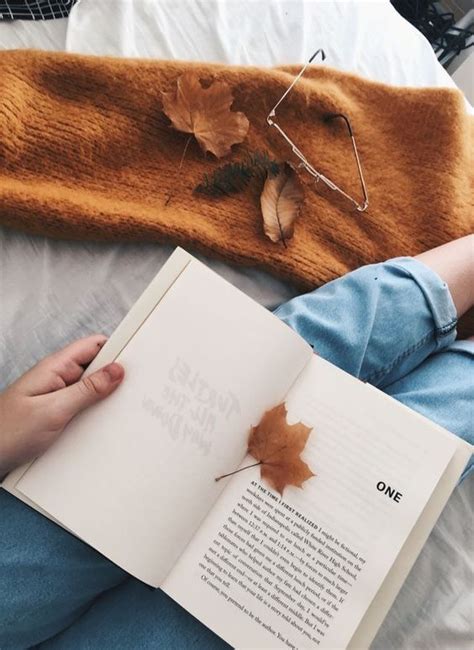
x=52 y=292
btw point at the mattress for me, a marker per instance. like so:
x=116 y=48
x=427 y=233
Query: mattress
x=52 y=292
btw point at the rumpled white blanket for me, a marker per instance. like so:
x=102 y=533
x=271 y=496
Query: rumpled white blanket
x=52 y=292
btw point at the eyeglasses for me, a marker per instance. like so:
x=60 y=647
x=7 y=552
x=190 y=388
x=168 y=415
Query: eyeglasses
x=361 y=206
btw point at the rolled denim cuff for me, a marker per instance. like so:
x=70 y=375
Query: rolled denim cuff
x=437 y=296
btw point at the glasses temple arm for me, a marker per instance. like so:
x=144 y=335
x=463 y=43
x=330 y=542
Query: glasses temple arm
x=301 y=72
x=328 y=118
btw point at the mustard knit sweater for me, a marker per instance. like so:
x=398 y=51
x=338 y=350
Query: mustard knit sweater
x=86 y=152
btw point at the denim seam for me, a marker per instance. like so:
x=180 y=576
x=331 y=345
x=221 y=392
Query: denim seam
x=448 y=328
x=413 y=348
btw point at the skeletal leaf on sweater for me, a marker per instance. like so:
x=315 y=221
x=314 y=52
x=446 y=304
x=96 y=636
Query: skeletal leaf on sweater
x=281 y=200
x=206 y=113
x=277 y=447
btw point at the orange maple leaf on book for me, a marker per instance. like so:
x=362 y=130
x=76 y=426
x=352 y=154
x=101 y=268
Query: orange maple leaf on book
x=277 y=447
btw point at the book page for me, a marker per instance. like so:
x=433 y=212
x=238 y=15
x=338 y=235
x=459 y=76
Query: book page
x=399 y=571
x=134 y=475
x=300 y=571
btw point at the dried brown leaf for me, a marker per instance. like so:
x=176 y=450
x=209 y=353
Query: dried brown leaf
x=205 y=112
x=278 y=445
x=281 y=200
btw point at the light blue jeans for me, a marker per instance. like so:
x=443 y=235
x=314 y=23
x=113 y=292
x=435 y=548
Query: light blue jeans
x=390 y=324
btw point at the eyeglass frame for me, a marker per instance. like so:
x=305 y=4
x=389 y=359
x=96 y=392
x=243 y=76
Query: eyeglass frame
x=361 y=207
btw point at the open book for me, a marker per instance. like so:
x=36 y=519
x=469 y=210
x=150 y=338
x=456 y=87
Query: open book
x=134 y=476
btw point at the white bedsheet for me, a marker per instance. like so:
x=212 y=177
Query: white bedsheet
x=52 y=292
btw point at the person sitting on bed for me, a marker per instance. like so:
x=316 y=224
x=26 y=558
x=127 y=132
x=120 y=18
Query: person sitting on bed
x=392 y=324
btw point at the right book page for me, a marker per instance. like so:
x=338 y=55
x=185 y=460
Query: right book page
x=302 y=570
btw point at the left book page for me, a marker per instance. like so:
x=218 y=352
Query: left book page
x=134 y=475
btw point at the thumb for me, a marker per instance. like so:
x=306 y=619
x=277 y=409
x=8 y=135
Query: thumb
x=89 y=390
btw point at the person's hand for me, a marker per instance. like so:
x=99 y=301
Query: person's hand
x=36 y=408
